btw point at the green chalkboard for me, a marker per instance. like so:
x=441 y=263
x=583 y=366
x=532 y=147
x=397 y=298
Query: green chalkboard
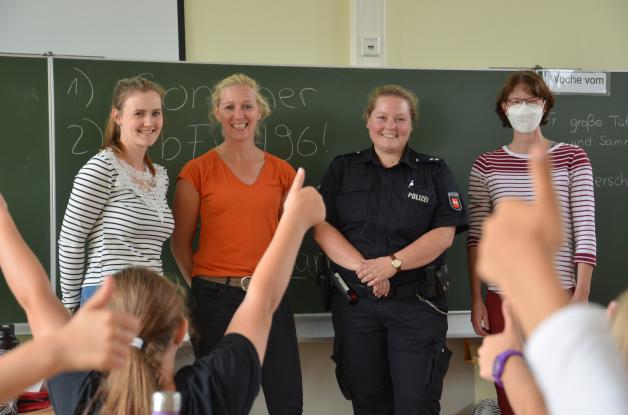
x=317 y=115
x=24 y=167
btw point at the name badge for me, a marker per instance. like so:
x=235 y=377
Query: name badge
x=418 y=197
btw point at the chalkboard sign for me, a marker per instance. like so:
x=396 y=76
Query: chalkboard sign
x=24 y=168
x=317 y=115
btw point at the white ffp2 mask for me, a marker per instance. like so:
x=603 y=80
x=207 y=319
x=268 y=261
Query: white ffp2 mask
x=524 y=118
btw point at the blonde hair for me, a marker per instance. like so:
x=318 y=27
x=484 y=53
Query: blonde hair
x=619 y=326
x=160 y=306
x=392 y=91
x=121 y=92
x=239 y=79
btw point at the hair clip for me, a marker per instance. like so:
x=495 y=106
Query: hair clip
x=137 y=343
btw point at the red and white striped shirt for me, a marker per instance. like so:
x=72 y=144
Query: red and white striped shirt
x=502 y=173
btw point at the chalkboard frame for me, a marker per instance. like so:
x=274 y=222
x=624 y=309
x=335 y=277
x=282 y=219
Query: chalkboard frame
x=432 y=118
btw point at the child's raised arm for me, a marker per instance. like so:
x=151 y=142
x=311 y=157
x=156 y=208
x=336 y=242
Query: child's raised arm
x=27 y=279
x=303 y=208
x=96 y=338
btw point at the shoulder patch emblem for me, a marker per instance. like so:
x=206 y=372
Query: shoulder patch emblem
x=454 y=201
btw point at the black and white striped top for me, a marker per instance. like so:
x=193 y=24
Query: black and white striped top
x=115 y=219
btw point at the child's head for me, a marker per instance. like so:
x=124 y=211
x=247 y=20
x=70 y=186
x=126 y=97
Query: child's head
x=162 y=312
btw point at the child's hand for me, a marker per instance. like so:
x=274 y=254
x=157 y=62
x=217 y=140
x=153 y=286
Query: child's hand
x=519 y=233
x=494 y=344
x=304 y=203
x=97 y=338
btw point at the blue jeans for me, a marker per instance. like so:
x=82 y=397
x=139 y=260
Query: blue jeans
x=87 y=291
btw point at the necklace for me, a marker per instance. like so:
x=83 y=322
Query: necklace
x=150 y=189
x=143 y=179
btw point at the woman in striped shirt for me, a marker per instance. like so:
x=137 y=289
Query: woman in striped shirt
x=524 y=104
x=117 y=214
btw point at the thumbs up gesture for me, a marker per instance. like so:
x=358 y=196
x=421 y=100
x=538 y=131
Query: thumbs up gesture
x=96 y=337
x=304 y=204
x=518 y=229
x=518 y=246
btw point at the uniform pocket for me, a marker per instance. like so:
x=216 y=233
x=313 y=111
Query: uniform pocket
x=352 y=202
x=415 y=210
x=439 y=363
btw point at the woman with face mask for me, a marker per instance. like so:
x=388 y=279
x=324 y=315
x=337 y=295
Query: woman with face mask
x=524 y=104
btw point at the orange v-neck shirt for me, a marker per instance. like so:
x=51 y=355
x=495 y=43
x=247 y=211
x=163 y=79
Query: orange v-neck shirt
x=237 y=220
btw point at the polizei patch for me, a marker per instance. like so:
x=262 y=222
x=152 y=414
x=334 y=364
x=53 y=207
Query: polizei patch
x=454 y=201
x=418 y=197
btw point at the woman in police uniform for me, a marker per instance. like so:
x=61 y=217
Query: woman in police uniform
x=391 y=215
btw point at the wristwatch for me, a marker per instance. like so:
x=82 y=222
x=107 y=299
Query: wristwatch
x=395 y=262
x=499 y=364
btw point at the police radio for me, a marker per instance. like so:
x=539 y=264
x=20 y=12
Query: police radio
x=344 y=289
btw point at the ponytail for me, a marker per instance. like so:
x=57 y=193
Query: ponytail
x=161 y=309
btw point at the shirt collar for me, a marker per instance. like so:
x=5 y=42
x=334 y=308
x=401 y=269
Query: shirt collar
x=409 y=157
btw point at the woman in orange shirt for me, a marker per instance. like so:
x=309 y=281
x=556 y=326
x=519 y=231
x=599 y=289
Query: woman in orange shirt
x=236 y=191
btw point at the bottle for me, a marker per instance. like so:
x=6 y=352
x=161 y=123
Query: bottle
x=8 y=341
x=166 y=403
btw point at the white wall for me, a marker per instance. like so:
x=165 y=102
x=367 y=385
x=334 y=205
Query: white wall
x=116 y=29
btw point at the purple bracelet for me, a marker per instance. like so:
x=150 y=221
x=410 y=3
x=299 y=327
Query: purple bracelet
x=499 y=364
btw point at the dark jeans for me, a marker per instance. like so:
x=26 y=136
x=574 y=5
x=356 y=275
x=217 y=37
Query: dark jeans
x=212 y=305
x=390 y=355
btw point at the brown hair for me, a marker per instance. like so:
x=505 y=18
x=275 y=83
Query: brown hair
x=535 y=85
x=392 y=91
x=121 y=92
x=619 y=326
x=239 y=79
x=161 y=308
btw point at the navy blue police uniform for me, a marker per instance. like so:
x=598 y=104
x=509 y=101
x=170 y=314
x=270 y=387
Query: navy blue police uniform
x=390 y=353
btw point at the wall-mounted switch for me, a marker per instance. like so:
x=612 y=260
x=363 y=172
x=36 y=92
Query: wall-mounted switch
x=370 y=46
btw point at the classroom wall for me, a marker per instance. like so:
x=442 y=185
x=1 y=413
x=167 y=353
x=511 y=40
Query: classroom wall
x=268 y=31
x=498 y=33
x=419 y=33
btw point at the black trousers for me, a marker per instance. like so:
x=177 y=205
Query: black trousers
x=390 y=355
x=212 y=305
